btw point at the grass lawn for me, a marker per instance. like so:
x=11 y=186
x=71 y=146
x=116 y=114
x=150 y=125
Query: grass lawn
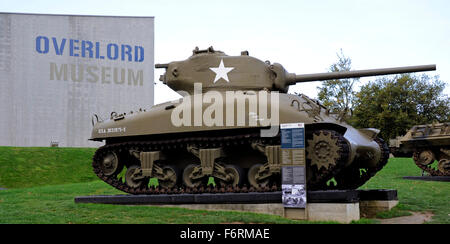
x=413 y=195
x=42 y=184
x=55 y=205
x=37 y=166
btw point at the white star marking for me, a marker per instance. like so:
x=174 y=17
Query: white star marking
x=221 y=72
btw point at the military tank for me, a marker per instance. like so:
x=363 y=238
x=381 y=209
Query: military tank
x=426 y=144
x=225 y=128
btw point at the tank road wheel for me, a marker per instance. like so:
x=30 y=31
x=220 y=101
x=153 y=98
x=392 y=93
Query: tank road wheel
x=110 y=164
x=170 y=178
x=424 y=158
x=444 y=166
x=192 y=177
x=233 y=174
x=327 y=153
x=254 y=177
x=444 y=161
x=134 y=177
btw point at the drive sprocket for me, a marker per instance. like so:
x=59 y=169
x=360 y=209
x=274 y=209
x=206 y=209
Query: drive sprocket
x=323 y=149
x=327 y=152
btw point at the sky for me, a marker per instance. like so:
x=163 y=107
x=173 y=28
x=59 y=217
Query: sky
x=302 y=35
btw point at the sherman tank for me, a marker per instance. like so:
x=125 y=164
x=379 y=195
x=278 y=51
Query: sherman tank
x=426 y=144
x=225 y=131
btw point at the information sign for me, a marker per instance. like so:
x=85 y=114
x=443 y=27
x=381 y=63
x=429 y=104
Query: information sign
x=293 y=165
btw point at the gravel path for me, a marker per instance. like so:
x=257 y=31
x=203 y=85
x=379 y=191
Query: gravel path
x=415 y=218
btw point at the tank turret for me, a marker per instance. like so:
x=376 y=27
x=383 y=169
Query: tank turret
x=218 y=71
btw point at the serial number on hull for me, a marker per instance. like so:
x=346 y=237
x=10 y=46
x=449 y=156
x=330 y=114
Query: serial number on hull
x=112 y=130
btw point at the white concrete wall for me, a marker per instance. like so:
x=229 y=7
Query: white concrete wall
x=56 y=71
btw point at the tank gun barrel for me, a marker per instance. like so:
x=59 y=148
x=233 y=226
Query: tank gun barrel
x=292 y=79
x=161 y=66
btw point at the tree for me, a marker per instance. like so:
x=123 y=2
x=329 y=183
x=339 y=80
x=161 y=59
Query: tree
x=394 y=104
x=338 y=95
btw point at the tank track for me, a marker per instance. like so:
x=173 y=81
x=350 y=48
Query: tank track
x=347 y=180
x=317 y=180
x=431 y=171
x=181 y=144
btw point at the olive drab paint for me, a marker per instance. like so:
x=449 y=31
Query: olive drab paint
x=212 y=131
x=56 y=71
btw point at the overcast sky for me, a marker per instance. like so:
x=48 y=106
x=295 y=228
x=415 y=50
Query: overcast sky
x=304 y=36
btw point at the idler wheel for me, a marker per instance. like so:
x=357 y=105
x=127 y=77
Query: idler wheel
x=189 y=176
x=110 y=164
x=134 y=177
x=170 y=177
x=233 y=174
x=254 y=177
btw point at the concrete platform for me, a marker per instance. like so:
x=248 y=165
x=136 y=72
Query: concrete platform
x=204 y=198
x=342 y=205
x=369 y=209
x=373 y=201
x=339 y=196
x=340 y=212
x=428 y=178
x=264 y=208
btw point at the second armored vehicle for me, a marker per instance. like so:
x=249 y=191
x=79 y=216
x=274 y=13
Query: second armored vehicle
x=226 y=127
x=426 y=144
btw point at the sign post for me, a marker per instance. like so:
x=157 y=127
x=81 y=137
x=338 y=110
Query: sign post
x=293 y=171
